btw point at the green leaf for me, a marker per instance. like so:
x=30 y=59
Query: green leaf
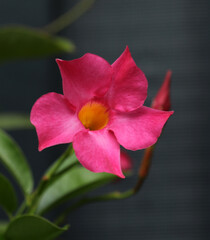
x=13 y=159
x=30 y=227
x=20 y=42
x=75 y=182
x=8 y=198
x=13 y=121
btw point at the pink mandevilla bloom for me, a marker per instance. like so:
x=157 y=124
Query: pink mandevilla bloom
x=101 y=108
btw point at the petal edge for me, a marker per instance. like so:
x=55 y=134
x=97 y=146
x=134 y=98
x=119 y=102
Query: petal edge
x=129 y=89
x=55 y=120
x=98 y=151
x=139 y=129
x=85 y=78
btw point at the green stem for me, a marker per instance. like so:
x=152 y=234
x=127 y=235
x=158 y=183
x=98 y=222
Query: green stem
x=14 y=121
x=21 y=209
x=143 y=173
x=69 y=17
x=103 y=198
x=46 y=180
x=61 y=172
x=69 y=151
x=9 y=215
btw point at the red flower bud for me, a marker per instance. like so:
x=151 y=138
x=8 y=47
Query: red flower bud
x=162 y=99
x=126 y=161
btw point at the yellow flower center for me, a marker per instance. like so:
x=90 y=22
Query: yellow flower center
x=94 y=116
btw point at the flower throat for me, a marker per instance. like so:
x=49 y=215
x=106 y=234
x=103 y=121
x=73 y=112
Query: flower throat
x=94 y=116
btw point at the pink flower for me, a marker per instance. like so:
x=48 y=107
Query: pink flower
x=162 y=99
x=100 y=110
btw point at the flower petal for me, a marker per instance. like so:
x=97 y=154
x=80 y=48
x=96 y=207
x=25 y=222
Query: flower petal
x=55 y=120
x=129 y=89
x=139 y=129
x=98 y=151
x=85 y=78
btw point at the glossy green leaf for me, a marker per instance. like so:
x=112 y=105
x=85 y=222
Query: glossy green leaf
x=19 y=42
x=8 y=198
x=30 y=227
x=75 y=182
x=13 y=121
x=12 y=157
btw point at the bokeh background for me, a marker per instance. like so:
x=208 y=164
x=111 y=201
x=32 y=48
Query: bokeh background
x=174 y=201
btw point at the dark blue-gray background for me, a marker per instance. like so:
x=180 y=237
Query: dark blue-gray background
x=174 y=202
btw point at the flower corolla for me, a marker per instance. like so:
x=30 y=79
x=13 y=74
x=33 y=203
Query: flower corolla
x=101 y=108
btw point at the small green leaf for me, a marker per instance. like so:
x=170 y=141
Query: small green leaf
x=20 y=42
x=13 y=159
x=13 y=121
x=8 y=198
x=30 y=227
x=75 y=182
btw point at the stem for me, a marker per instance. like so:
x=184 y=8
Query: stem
x=69 y=151
x=143 y=173
x=61 y=172
x=46 y=178
x=103 y=198
x=144 y=167
x=9 y=215
x=21 y=209
x=69 y=17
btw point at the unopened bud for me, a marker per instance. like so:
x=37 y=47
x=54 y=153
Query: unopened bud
x=162 y=99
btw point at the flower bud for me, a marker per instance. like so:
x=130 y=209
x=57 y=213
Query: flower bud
x=162 y=99
x=126 y=161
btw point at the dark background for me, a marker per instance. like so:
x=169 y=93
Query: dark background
x=174 y=202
